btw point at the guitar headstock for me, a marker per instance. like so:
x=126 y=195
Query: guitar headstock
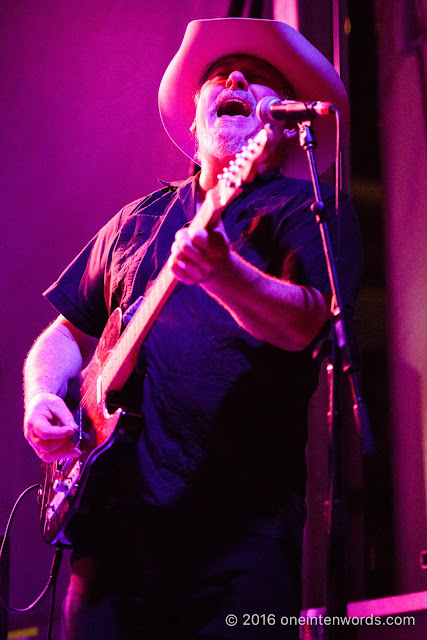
x=241 y=167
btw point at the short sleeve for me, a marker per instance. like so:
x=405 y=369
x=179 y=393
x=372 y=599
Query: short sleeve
x=79 y=294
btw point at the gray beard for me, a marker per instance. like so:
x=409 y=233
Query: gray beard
x=224 y=143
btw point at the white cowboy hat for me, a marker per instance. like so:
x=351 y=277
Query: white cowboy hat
x=309 y=74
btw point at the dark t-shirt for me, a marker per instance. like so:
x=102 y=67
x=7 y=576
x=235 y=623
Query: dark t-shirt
x=225 y=413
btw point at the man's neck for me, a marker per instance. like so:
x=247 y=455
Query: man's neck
x=210 y=169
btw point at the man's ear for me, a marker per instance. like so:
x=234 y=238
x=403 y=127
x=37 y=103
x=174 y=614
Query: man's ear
x=196 y=100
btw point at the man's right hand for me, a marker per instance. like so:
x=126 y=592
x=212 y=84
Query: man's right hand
x=49 y=426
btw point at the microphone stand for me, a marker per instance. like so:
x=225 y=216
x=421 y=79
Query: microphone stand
x=341 y=359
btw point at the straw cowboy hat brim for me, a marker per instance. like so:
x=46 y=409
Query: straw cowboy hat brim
x=309 y=74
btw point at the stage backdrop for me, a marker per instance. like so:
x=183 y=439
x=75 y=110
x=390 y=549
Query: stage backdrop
x=402 y=31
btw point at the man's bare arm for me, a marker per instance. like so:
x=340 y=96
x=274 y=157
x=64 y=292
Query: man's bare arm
x=57 y=356
x=282 y=313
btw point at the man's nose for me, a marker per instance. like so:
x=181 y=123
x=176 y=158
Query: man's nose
x=236 y=80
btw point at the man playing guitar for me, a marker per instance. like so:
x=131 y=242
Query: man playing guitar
x=201 y=515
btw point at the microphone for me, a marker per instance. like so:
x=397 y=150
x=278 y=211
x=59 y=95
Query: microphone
x=270 y=109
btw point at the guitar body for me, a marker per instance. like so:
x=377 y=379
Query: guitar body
x=71 y=484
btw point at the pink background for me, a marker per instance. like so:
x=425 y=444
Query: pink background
x=81 y=136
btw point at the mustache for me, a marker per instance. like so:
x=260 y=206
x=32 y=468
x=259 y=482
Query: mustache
x=229 y=94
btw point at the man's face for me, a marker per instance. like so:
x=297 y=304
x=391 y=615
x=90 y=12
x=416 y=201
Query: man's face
x=226 y=104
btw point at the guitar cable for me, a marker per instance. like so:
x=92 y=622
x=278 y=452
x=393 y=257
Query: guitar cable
x=53 y=574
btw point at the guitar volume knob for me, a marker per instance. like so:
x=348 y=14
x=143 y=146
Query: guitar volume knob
x=60 y=486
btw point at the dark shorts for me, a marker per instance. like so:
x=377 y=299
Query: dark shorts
x=139 y=575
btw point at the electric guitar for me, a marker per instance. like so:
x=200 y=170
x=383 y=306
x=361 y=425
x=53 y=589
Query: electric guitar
x=71 y=483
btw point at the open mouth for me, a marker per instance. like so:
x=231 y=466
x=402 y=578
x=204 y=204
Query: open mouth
x=234 y=107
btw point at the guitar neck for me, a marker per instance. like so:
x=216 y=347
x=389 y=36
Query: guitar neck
x=122 y=359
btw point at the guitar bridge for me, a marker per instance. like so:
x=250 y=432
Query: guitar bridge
x=62 y=489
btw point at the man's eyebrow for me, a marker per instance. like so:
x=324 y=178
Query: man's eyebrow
x=216 y=71
x=219 y=72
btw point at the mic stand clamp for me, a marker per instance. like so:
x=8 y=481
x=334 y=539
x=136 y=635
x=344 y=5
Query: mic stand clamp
x=342 y=350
